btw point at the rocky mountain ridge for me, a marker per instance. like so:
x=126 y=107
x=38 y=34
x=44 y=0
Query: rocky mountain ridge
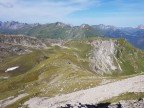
x=11 y=45
x=56 y=30
x=60 y=30
x=14 y=25
x=140 y=26
x=22 y=40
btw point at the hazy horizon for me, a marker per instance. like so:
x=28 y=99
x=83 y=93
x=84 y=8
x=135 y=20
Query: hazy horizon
x=119 y=13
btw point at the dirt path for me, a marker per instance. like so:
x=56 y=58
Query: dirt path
x=93 y=95
x=11 y=100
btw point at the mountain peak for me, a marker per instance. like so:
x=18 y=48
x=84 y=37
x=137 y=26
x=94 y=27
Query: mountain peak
x=84 y=26
x=60 y=24
x=13 y=25
x=140 y=26
x=102 y=26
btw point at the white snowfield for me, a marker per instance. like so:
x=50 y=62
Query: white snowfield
x=90 y=96
x=12 y=68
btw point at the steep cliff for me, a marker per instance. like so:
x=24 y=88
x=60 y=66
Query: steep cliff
x=103 y=58
x=115 y=56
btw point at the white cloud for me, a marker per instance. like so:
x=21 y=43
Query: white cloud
x=5 y=3
x=20 y=9
x=49 y=11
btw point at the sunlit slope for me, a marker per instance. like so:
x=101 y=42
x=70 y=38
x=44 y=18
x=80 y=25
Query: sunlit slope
x=62 y=69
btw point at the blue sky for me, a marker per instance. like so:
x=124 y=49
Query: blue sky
x=110 y=12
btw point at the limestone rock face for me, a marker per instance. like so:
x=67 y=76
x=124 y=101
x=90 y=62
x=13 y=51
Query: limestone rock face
x=102 y=59
x=22 y=40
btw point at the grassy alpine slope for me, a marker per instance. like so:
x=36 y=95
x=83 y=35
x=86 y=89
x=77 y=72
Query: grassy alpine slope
x=64 y=70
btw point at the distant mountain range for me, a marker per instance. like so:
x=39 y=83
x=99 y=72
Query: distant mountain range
x=60 y=30
x=56 y=30
x=134 y=35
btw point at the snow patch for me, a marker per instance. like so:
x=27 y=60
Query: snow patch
x=12 y=68
x=3 y=77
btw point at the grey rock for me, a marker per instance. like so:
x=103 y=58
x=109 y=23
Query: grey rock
x=22 y=40
x=102 y=59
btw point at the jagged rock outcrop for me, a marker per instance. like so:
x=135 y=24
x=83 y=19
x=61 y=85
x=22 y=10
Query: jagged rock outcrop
x=128 y=104
x=7 y=50
x=18 y=45
x=103 y=59
x=22 y=40
x=121 y=104
x=15 y=25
